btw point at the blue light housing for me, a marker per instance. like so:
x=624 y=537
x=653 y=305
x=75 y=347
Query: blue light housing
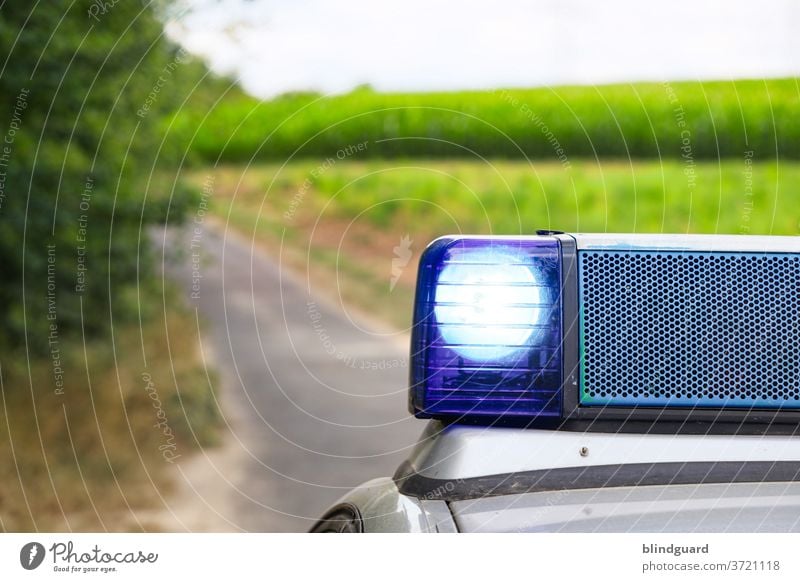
x=487 y=329
x=585 y=328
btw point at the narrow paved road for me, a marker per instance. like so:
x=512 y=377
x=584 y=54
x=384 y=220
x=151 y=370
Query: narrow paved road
x=316 y=402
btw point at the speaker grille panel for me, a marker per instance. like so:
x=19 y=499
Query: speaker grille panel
x=689 y=329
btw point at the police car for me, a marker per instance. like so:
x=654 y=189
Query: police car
x=597 y=382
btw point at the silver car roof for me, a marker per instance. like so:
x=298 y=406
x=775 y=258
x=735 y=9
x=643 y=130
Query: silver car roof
x=456 y=462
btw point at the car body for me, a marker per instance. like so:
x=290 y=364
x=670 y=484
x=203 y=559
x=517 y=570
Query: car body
x=654 y=387
x=495 y=479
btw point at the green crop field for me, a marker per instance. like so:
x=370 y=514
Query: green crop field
x=696 y=120
x=341 y=223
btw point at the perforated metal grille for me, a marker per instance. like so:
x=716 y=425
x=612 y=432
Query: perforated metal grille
x=690 y=329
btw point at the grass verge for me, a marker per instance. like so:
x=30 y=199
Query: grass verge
x=90 y=458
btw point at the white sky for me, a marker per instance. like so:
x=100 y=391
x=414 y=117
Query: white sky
x=274 y=46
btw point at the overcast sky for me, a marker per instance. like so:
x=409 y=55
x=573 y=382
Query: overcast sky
x=331 y=46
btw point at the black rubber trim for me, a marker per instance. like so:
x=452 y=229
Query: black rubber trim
x=633 y=426
x=570 y=326
x=601 y=476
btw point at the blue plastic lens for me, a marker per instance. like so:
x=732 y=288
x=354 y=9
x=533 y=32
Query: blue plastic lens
x=487 y=331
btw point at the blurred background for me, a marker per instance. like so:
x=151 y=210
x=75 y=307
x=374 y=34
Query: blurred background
x=211 y=212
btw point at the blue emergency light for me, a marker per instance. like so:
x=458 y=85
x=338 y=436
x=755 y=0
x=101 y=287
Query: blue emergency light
x=562 y=327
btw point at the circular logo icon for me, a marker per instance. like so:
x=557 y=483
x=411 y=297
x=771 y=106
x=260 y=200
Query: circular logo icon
x=31 y=555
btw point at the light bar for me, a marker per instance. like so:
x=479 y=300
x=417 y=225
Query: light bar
x=621 y=327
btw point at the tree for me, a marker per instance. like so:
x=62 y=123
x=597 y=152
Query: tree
x=84 y=92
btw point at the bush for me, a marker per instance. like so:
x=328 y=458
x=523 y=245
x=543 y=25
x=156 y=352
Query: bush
x=85 y=93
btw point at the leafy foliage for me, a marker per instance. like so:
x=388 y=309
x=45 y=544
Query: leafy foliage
x=85 y=88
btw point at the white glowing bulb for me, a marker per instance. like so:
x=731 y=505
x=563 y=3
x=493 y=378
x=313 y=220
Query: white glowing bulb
x=488 y=311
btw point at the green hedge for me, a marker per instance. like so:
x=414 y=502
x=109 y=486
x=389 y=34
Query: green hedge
x=645 y=120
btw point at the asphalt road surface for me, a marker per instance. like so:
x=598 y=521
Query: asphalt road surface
x=315 y=401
